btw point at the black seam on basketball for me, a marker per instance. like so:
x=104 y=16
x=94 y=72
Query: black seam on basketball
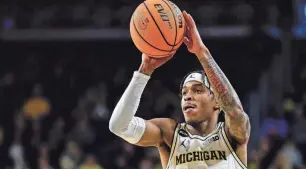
x=157 y=25
x=147 y=41
x=175 y=44
x=178 y=44
x=174 y=23
x=176 y=29
x=181 y=38
x=183 y=35
x=184 y=31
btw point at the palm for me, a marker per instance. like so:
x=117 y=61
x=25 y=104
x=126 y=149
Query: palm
x=155 y=62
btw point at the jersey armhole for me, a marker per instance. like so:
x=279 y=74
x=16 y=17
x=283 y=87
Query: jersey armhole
x=230 y=146
x=173 y=144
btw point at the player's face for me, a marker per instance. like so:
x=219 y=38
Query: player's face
x=197 y=102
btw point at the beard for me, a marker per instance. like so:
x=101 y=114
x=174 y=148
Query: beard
x=193 y=122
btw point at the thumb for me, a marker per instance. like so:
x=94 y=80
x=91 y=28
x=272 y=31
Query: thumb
x=187 y=42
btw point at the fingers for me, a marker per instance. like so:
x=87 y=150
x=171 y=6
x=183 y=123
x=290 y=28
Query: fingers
x=172 y=54
x=185 y=15
x=188 y=32
x=189 y=20
x=168 y=57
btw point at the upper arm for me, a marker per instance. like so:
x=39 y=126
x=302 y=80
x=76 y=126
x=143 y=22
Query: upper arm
x=157 y=131
x=238 y=126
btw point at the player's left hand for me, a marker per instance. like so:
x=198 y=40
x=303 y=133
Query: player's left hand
x=192 y=37
x=149 y=64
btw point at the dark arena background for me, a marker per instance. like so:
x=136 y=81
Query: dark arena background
x=64 y=65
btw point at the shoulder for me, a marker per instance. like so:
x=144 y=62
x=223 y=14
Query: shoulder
x=167 y=127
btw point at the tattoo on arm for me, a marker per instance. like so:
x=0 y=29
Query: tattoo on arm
x=237 y=120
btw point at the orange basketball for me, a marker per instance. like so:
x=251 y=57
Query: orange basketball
x=157 y=27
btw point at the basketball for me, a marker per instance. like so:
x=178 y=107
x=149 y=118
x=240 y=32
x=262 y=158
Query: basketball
x=157 y=28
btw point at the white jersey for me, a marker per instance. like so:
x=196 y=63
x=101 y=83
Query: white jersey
x=196 y=152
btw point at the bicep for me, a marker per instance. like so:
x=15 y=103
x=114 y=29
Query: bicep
x=155 y=132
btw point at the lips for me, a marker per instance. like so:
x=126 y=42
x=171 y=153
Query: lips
x=189 y=107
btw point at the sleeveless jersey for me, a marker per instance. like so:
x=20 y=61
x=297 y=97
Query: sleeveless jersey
x=196 y=152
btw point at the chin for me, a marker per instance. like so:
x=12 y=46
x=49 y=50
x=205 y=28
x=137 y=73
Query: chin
x=191 y=121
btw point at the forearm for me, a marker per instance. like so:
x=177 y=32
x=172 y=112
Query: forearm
x=123 y=121
x=223 y=90
x=237 y=120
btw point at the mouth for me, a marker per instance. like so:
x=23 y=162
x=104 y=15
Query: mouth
x=189 y=107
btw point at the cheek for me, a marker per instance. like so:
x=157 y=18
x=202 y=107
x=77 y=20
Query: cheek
x=205 y=101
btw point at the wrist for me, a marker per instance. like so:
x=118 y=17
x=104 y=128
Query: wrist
x=144 y=69
x=203 y=53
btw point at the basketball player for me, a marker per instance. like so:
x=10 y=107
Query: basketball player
x=201 y=142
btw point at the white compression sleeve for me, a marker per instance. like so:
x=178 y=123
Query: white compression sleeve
x=123 y=123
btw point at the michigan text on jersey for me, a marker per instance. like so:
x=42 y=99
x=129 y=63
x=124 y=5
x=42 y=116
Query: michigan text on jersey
x=200 y=156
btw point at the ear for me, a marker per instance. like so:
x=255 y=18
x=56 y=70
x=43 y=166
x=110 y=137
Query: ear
x=217 y=106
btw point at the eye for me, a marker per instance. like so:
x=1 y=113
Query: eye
x=184 y=93
x=198 y=91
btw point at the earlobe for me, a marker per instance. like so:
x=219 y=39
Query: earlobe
x=216 y=105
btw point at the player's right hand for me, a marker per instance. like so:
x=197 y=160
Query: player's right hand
x=149 y=64
x=192 y=38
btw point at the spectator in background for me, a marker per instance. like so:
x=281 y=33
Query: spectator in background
x=37 y=105
x=120 y=162
x=56 y=133
x=19 y=125
x=289 y=107
x=7 y=79
x=153 y=155
x=253 y=163
x=101 y=110
x=16 y=153
x=104 y=12
x=243 y=13
x=303 y=78
x=299 y=131
x=90 y=162
x=44 y=158
x=209 y=13
x=289 y=157
x=145 y=164
x=83 y=133
x=16 y=150
x=165 y=98
x=274 y=124
x=71 y=156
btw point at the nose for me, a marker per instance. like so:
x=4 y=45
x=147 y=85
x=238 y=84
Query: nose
x=187 y=96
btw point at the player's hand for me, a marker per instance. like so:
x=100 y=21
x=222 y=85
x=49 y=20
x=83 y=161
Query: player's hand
x=192 y=37
x=149 y=64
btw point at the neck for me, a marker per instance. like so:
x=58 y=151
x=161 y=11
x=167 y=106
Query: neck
x=203 y=128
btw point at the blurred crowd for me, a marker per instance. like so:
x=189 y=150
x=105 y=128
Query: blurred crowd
x=282 y=143
x=57 y=98
x=117 y=13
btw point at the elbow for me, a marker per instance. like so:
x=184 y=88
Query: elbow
x=113 y=127
x=117 y=126
x=115 y=121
